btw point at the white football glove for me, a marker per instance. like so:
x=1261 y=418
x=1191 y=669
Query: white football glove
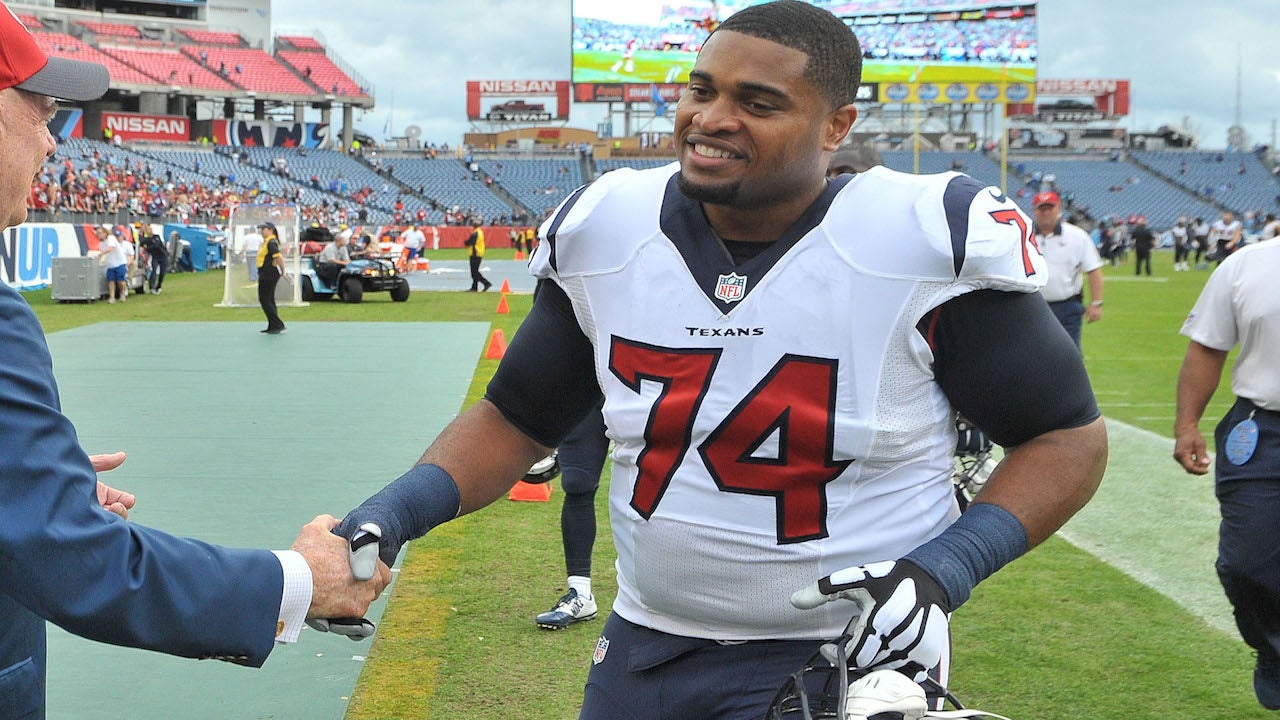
x=902 y=615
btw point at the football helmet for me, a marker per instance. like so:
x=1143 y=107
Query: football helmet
x=827 y=688
x=821 y=691
x=545 y=470
x=974 y=461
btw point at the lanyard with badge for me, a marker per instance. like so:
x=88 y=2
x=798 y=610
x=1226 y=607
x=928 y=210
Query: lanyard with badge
x=1242 y=441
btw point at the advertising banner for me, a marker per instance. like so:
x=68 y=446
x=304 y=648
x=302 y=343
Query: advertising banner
x=265 y=133
x=133 y=126
x=958 y=93
x=513 y=100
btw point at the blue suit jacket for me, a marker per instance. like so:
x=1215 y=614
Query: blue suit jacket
x=65 y=559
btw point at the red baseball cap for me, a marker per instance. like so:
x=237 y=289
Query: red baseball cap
x=1047 y=197
x=25 y=66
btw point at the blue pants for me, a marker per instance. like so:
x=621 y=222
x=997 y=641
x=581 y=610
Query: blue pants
x=1249 y=537
x=1070 y=313
x=643 y=674
x=581 y=458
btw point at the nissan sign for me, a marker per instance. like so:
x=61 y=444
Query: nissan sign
x=164 y=128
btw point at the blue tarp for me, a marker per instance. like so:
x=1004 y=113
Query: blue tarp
x=204 y=248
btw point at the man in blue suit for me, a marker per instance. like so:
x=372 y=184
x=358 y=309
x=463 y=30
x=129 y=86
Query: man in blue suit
x=66 y=554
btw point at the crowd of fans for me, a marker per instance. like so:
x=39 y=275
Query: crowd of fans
x=105 y=181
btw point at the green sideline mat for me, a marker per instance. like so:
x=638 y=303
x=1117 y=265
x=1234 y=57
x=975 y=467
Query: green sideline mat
x=240 y=438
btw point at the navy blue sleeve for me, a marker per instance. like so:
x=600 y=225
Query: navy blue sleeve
x=1006 y=364
x=71 y=562
x=546 y=382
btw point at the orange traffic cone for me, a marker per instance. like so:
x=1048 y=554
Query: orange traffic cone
x=519 y=255
x=502 y=306
x=506 y=287
x=497 y=346
x=530 y=492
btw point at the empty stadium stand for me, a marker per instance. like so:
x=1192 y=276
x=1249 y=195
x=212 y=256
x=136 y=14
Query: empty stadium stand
x=251 y=69
x=1238 y=181
x=1114 y=189
x=321 y=71
x=166 y=66
x=211 y=37
x=67 y=46
x=109 y=29
x=538 y=184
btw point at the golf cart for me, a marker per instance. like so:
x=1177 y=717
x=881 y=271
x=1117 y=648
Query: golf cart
x=362 y=275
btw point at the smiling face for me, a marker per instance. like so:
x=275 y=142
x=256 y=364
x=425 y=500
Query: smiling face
x=753 y=133
x=25 y=142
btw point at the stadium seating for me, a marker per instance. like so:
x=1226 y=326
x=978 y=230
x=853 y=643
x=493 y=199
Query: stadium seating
x=972 y=163
x=298 y=42
x=169 y=67
x=539 y=184
x=109 y=29
x=1114 y=189
x=606 y=164
x=211 y=37
x=449 y=183
x=67 y=46
x=31 y=21
x=251 y=69
x=1238 y=181
x=322 y=72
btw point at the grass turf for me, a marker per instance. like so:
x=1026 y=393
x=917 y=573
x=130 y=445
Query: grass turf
x=1058 y=634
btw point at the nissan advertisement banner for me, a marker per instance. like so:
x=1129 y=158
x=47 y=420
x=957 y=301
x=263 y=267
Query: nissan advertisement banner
x=509 y=100
x=132 y=126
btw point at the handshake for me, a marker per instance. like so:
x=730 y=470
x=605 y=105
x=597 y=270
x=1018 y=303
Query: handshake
x=346 y=576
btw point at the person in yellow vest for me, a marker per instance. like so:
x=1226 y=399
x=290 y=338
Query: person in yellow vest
x=270 y=270
x=476 y=243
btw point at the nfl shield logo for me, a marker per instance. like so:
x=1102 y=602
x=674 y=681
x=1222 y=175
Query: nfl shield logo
x=602 y=647
x=730 y=288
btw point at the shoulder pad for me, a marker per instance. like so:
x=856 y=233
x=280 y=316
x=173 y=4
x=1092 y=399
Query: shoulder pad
x=601 y=224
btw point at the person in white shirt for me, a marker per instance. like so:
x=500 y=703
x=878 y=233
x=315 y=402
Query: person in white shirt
x=414 y=240
x=111 y=253
x=1224 y=236
x=1181 y=245
x=1070 y=256
x=1239 y=306
x=1272 y=227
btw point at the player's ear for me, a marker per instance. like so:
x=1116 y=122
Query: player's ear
x=839 y=123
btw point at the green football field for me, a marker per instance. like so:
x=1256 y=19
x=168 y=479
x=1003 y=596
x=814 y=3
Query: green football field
x=652 y=66
x=1119 y=616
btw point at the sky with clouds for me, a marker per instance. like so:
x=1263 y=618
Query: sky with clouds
x=1181 y=56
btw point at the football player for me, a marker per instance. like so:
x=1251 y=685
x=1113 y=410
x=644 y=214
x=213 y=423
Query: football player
x=780 y=357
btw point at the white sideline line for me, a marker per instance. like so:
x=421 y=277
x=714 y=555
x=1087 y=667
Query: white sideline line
x=1156 y=523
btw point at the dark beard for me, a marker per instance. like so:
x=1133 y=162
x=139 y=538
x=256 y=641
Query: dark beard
x=717 y=195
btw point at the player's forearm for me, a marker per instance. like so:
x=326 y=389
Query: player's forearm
x=1197 y=380
x=484 y=454
x=1046 y=480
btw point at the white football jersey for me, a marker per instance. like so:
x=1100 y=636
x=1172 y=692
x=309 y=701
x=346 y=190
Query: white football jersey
x=775 y=421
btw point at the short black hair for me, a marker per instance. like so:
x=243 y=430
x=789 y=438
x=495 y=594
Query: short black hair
x=835 y=57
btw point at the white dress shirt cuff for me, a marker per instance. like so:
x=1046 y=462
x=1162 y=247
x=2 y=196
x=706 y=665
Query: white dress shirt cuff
x=296 y=599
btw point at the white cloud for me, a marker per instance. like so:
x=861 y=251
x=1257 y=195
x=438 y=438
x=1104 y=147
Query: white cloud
x=1180 y=55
